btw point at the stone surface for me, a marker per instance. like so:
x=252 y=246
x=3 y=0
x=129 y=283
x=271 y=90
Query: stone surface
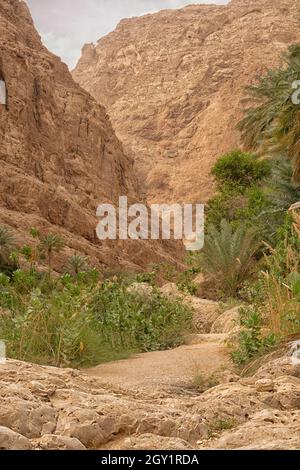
x=60 y=157
x=173 y=83
x=267 y=430
x=53 y=442
x=151 y=441
x=87 y=411
x=227 y=321
x=10 y=440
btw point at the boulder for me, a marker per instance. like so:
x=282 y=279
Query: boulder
x=11 y=440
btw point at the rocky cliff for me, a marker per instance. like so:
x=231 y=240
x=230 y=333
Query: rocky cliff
x=173 y=84
x=59 y=155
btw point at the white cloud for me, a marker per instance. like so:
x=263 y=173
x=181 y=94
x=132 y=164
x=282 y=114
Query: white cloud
x=65 y=25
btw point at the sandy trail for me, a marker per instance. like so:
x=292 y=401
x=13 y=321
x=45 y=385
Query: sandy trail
x=167 y=369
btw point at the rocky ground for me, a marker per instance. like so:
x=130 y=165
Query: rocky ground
x=151 y=401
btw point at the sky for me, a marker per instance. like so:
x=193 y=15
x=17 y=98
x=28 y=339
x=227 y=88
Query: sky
x=66 y=25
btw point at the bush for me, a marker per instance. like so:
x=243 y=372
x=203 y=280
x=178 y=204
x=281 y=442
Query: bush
x=73 y=323
x=228 y=254
x=251 y=341
x=240 y=169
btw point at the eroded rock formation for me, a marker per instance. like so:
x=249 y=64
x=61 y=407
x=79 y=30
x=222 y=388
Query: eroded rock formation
x=173 y=84
x=49 y=408
x=59 y=155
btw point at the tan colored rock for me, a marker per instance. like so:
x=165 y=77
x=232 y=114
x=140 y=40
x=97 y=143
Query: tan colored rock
x=142 y=289
x=54 y=442
x=264 y=385
x=206 y=311
x=173 y=83
x=10 y=440
x=60 y=157
x=171 y=290
x=152 y=441
x=267 y=430
x=280 y=366
x=84 y=410
x=227 y=321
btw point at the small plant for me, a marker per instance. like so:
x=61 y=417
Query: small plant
x=7 y=243
x=204 y=382
x=77 y=264
x=224 y=424
x=251 y=341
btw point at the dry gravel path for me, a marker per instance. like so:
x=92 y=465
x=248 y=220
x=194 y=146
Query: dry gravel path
x=167 y=369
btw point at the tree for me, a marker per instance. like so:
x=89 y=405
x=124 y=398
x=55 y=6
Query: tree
x=240 y=169
x=228 y=255
x=50 y=244
x=77 y=264
x=272 y=122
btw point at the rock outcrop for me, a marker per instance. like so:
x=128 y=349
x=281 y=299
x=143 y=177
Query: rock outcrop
x=59 y=155
x=173 y=84
x=48 y=408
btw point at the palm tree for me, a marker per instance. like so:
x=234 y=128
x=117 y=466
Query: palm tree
x=228 y=255
x=51 y=243
x=7 y=242
x=272 y=122
x=77 y=264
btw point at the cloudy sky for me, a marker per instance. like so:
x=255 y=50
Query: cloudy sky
x=65 y=25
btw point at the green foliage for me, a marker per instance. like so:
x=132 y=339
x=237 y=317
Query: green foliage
x=133 y=321
x=50 y=244
x=4 y=280
x=241 y=197
x=272 y=121
x=283 y=190
x=251 y=341
x=77 y=264
x=224 y=424
x=7 y=243
x=240 y=169
x=79 y=321
x=228 y=256
x=185 y=282
x=294 y=282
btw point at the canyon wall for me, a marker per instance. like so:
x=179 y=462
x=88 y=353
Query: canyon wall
x=60 y=157
x=173 y=83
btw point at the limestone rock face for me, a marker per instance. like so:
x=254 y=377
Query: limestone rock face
x=10 y=440
x=227 y=321
x=59 y=155
x=49 y=408
x=173 y=84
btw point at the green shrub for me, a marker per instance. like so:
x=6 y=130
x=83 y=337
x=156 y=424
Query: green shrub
x=228 y=256
x=240 y=169
x=147 y=324
x=251 y=342
x=68 y=322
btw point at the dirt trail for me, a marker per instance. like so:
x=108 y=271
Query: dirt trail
x=167 y=369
